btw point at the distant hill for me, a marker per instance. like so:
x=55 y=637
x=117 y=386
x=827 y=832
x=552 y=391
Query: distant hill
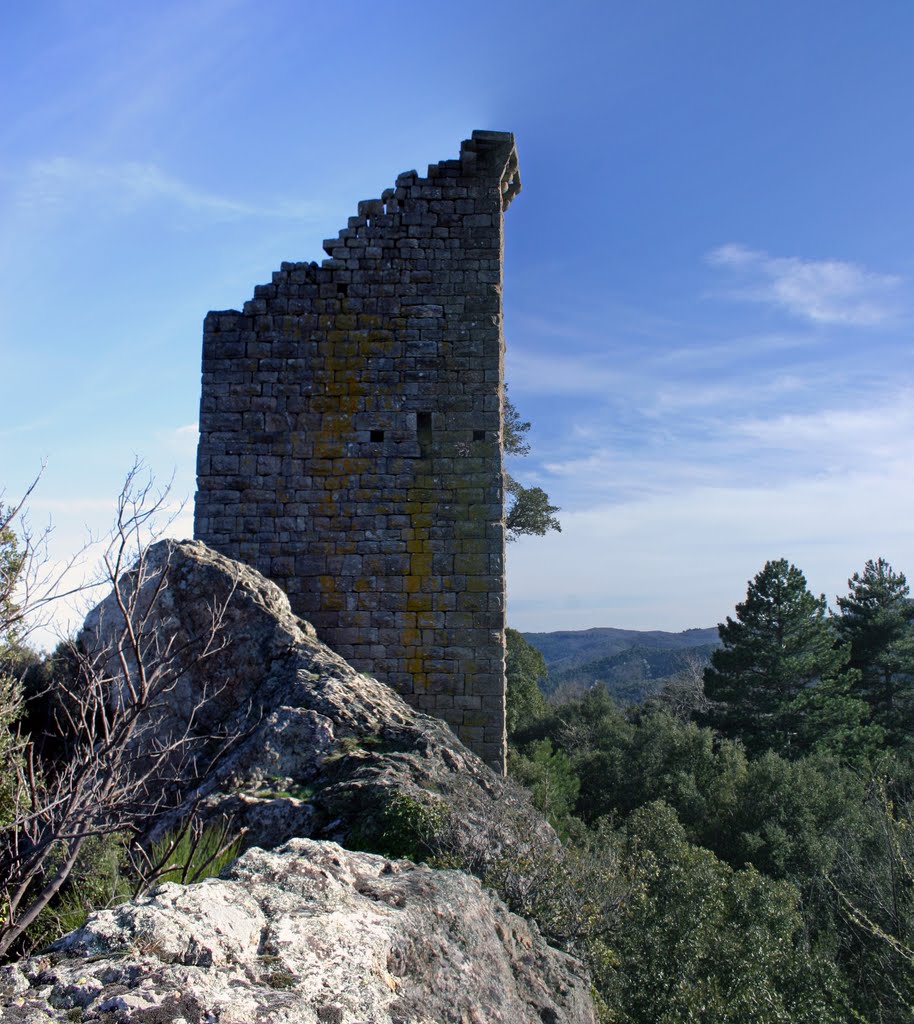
x=632 y=664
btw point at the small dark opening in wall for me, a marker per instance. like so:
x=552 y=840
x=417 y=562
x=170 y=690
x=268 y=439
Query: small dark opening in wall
x=479 y=435
x=377 y=435
x=424 y=428
x=342 y=290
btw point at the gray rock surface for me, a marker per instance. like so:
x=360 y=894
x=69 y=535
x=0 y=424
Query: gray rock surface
x=316 y=748
x=293 y=743
x=306 y=933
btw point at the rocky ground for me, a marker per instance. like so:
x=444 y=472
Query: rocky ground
x=304 y=753
x=309 y=932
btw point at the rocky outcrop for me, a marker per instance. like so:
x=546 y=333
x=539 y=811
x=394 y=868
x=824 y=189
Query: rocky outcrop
x=292 y=741
x=305 y=753
x=312 y=934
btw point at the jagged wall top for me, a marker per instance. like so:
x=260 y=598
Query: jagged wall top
x=479 y=154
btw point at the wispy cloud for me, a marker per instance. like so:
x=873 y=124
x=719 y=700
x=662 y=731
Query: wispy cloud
x=26 y=428
x=562 y=375
x=599 y=461
x=876 y=434
x=823 y=291
x=649 y=546
x=651 y=384
x=737 y=348
x=670 y=397
x=55 y=183
x=179 y=441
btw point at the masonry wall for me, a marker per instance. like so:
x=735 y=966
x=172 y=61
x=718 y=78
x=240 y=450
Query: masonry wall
x=350 y=438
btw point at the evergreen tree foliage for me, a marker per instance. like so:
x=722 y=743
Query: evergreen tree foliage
x=524 y=668
x=11 y=705
x=875 y=891
x=594 y=733
x=515 y=430
x=549 y=776
x=792 y=818
x=833 y=719
x=12 y=561
x=876 y=619
x=529 y=511
x=768 y=873
x=11 y=699
x=681 y=764
x=780 y=643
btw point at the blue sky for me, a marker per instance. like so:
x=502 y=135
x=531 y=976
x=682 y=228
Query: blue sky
x=708 y=301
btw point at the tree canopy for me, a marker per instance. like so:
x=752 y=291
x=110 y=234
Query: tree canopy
x=876 y=620
x=780 y=644
x=524 y=668
x=12 y=562
x=528 y=509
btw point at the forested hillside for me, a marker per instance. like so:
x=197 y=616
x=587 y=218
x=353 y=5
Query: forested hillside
x=569 y=648
x=755 y=823
x=631 y=664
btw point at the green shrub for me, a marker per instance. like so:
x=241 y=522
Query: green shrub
x=406 y=828
x=188 y=853
x=11 y=705
x=99 y=879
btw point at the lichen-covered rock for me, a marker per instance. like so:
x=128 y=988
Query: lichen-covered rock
x=314 y=747
x=300 y=750
x=306 y=933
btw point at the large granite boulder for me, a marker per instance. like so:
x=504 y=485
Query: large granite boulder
x=305 y=753
x=309 y=933
x=291 y=740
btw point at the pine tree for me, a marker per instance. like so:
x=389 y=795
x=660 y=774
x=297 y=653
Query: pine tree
x=779 y=645
x=528 y=509
x=877 y=620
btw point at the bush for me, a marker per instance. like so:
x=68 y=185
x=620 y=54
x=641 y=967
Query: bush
x=702 y=942
x=548 y=775
x=185 y=854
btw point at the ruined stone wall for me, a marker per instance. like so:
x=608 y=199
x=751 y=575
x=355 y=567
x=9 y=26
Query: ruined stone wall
x=350 y=438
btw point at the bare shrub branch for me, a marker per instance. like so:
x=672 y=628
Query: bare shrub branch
x=185 y=854
x=126 y=758
x=684 y=695
x=30 y=582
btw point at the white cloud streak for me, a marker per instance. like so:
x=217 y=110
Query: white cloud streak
x=685 y=562
x=729 y=448
x=562 y=375
x=873 y=431
x=58 y=182
x=822 y=291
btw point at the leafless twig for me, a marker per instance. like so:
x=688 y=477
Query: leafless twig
x=126 y=756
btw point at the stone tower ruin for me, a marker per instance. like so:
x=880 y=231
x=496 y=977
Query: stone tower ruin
x=350 y=438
